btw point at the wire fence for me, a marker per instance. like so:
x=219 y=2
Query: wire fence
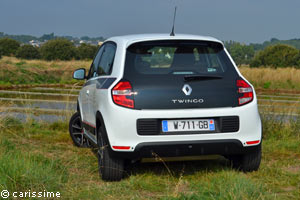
x=279 y=103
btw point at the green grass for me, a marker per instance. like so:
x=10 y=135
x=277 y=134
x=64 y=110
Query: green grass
x=24 y=76
x=40 y=156
x=17 y=71
x=23 y=170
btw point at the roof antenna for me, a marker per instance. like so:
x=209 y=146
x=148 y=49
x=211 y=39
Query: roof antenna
x=172 y=33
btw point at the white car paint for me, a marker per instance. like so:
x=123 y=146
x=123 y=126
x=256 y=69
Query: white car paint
x=120 y=122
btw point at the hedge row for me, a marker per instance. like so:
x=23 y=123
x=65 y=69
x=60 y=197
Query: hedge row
x=279 y=55
x=58 y=49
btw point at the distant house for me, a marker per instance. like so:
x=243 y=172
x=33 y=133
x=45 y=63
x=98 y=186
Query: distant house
x=35 y=43
x=91 y=42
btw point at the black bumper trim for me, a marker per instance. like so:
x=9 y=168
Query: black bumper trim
x=185 y=148
x=224 y=124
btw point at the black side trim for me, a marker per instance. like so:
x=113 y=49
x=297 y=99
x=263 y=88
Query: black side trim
x=90 y=82
x=104 y=83
x=101 y=83
x=108 y=83
x=186 y=148
x=99 y=123
x=89 y=128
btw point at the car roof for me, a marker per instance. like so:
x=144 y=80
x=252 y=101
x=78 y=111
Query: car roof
x=130 y=39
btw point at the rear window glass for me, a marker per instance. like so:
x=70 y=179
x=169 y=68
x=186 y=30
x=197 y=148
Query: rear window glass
x=176 y=57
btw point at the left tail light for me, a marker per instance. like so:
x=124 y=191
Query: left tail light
x=122 y=94
x=245 y=92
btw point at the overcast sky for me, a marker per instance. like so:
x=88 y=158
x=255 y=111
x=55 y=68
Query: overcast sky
x=239 y=20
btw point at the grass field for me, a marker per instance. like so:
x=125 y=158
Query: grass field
x=39 y=156
x=15 y=71
x=270 y=78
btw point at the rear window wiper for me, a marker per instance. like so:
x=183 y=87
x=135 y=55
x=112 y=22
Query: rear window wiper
x=202 y=77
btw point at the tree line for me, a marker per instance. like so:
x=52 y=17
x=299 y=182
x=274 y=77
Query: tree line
x=273 y=55
x=45 y=37
x=56 y=49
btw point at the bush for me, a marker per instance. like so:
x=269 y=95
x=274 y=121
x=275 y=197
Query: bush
x=277 y=56
x=28 y=52
x=241 y=54
x=87 y=51
x=58 y=49
x=8 y=47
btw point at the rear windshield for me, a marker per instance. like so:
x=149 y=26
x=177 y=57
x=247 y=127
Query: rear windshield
x=176 y=57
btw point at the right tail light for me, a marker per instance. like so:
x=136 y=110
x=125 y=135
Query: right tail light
x=245 y=92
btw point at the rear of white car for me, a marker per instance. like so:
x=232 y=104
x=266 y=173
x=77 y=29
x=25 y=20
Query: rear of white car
x=171 y=96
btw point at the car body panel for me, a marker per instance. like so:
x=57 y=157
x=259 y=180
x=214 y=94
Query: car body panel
x=121 y=122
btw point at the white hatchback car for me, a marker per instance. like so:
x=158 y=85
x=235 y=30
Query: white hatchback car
x=168 y=96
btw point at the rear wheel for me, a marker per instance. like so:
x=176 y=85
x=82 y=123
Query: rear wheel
x=76 y=131
x=247 y=162
x=110 y=169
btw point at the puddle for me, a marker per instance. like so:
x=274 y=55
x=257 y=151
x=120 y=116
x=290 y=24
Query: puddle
x=39 y=118
x=44 y=90
x=47 y=105
x=52 y=104
x=54 y=96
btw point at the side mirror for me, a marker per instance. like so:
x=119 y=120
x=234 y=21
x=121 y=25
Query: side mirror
x=79 y=74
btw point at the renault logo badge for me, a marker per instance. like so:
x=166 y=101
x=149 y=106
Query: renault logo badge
x=187 y=89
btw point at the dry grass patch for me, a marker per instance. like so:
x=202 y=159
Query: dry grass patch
x=17 y=71
x=42 y=64
x=263 y=77
x=294 y=169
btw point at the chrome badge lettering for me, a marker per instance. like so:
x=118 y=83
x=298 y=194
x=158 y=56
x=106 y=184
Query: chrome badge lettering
x=180 y=101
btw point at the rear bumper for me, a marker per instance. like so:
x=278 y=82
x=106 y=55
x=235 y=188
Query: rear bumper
x=121 y=125
x=122 y=130
x=186 y=148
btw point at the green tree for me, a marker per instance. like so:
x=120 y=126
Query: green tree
x=8 y=47
x=58 y=49
x=87 y=51
x=50 y=36
x=28 y=52
x=241 y=53
x=0 y=51
x=85 y=38
x=279 y=55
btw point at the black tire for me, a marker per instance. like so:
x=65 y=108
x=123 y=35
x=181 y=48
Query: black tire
x=110 y=169
x=76 y=131
x=247 y=162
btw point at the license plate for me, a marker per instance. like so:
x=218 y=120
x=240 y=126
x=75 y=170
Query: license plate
x=188 y=125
